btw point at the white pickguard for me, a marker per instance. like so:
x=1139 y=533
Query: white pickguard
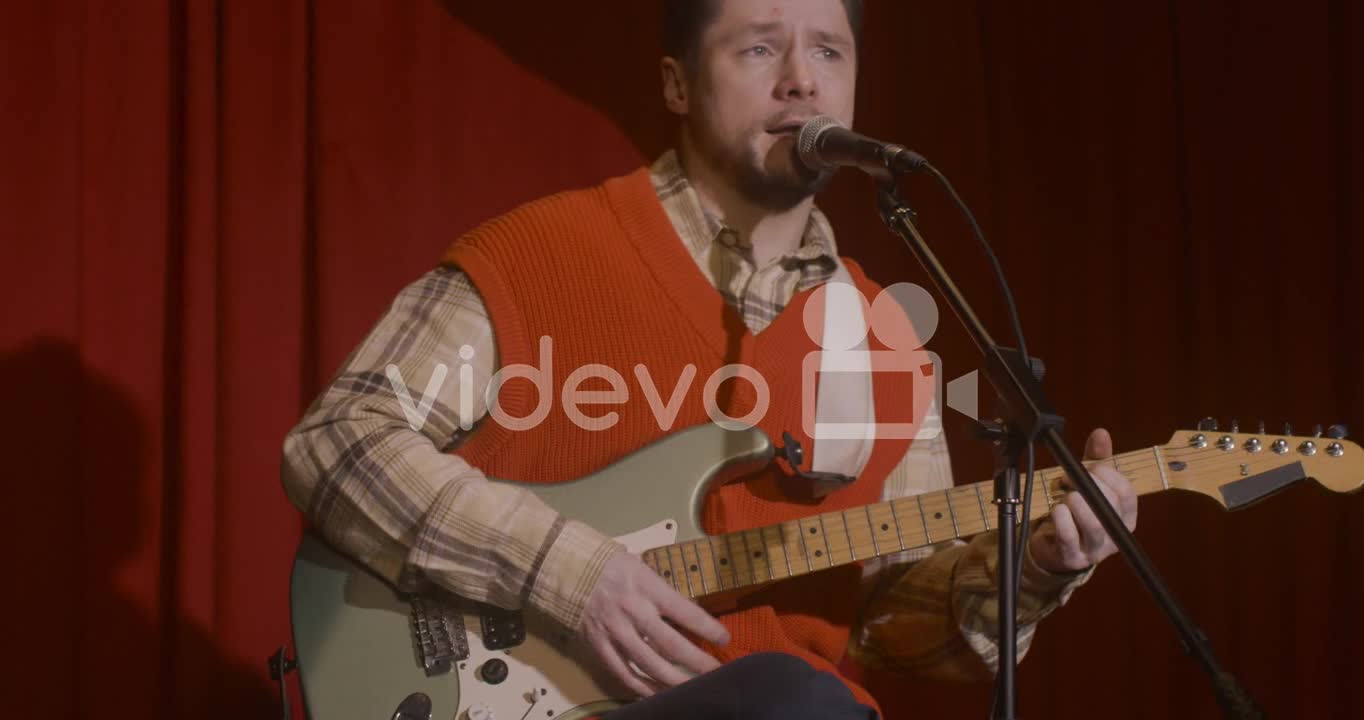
x=542 y=681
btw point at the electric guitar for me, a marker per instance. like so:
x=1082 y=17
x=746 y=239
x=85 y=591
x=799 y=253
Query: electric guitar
x=366 y=653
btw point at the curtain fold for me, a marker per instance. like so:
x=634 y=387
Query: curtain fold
x=205 y=205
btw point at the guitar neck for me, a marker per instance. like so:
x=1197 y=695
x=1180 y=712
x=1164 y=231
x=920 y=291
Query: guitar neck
x=721 y=563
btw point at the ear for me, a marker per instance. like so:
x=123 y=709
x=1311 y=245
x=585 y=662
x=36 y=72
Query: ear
x=674 y=85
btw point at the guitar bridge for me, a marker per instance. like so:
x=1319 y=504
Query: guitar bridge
x=502 y=629
x=439 y=635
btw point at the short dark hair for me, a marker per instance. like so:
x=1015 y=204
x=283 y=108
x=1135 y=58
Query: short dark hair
x=684 y=21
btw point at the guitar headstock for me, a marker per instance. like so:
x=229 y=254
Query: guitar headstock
x=1236 y=468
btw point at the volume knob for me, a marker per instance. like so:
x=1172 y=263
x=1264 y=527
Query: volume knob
x=480 y=711
x=493 y=672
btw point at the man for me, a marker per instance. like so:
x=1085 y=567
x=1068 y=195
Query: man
x=700 y=262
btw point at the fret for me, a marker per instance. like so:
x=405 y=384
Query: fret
x=676 y=560
x=871 y=526
x=738 y=558
x=766 y=558
x=896 y=518
x=800 y=532
x=716 y=562
x=848 y=533
x=771 y=546
x=823 y=534
x=956 y=531
x=884 y=527
x=983 y=515
x=831 y=541
x=1160 y=465
x=749 y=557
x=695 y=567
x=937 y=523
x=783 y=538
x=1046 y=492
x=670 y=574
x=814 y=538
x=928 y=536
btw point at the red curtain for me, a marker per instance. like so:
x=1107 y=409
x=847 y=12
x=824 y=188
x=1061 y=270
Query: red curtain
x=205 y=206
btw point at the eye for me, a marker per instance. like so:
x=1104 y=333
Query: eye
x=758 y=51
x=828 y=53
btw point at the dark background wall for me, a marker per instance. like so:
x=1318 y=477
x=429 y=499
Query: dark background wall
x=205 y=206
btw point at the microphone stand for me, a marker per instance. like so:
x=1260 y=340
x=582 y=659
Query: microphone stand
x=1027 y=417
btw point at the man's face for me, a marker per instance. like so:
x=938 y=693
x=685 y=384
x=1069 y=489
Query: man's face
x=764 y=68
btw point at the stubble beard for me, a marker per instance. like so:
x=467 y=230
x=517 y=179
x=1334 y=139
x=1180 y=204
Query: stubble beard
x=773 y=183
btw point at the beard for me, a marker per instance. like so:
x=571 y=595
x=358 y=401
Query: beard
x=776 y=180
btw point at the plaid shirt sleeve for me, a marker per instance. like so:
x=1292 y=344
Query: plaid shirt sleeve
x=376 y=478
x=936 y=613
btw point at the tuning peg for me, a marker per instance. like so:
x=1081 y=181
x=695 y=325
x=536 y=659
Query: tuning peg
x=1262 y=427
x=1316 y=431
x=1235 y=426
x=1337 y=432
x=1208 y=424
x=1287 y=429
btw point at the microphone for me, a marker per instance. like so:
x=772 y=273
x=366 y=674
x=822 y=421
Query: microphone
x=825 y=144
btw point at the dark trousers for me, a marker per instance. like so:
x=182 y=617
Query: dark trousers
x=765 y=686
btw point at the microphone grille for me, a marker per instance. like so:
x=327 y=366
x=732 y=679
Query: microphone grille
x=807 y=143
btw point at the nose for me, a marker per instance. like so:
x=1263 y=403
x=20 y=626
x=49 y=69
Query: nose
x=797 y=82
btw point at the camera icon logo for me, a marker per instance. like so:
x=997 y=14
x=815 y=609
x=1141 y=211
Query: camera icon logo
x=903 y=318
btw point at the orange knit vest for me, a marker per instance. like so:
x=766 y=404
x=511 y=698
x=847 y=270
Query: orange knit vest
x=603 y=274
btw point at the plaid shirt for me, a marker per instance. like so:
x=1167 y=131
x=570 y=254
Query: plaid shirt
x=376 y=488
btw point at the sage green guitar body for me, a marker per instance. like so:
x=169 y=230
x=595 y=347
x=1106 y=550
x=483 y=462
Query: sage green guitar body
x=358 y=656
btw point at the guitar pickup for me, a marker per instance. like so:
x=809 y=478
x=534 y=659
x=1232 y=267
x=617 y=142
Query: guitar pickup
x=439 y=635
x=502 y=629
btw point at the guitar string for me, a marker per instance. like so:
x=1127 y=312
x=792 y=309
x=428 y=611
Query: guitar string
x=1129 y=462
x=1144 y=464
x=946 y=503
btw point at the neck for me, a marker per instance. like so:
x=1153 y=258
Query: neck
x=752 y=557
x=772 y=233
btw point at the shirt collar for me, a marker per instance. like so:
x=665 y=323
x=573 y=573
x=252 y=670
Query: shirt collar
x=700 y=229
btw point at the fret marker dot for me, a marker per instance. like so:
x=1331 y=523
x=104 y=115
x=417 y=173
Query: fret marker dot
x=757 y=553
x=884 y=527
x=693 y=568
x=724 y=561
x=937 y=516
x=814 y=531
x=667 y=573
x=819 y=553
